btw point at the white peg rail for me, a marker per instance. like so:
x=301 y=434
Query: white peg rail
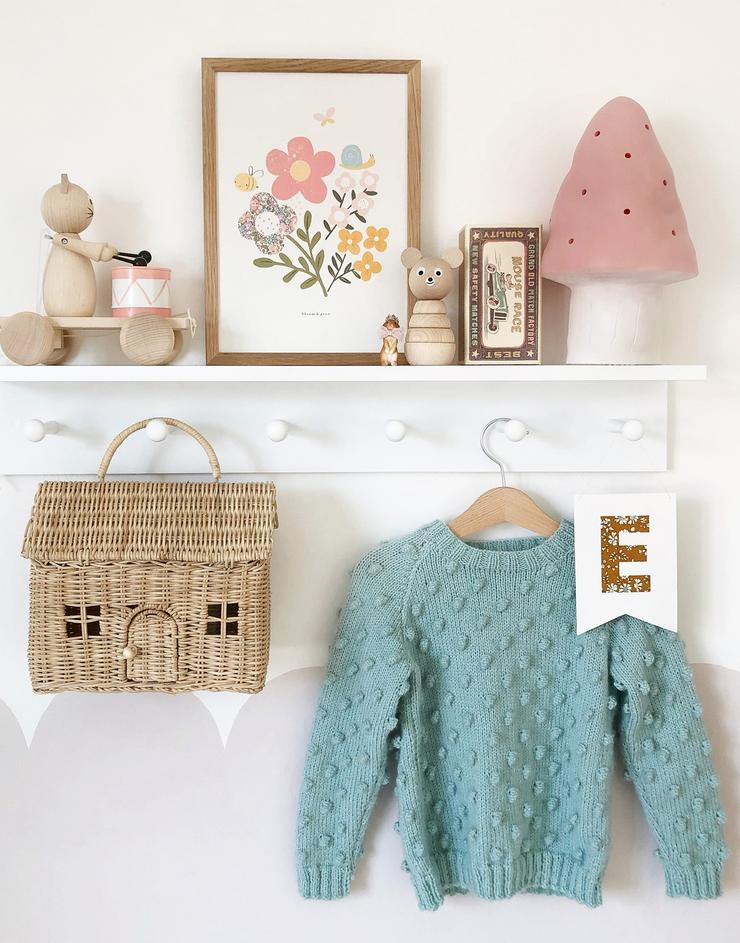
x=267 y=420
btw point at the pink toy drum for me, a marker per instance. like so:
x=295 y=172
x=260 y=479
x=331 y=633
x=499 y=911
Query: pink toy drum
x=139 y=289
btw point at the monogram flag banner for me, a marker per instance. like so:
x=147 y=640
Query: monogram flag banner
x=626 y=559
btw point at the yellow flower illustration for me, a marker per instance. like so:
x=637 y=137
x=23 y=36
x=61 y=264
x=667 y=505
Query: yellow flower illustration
x=349 y=241
x=377 y=238
x=367 y=266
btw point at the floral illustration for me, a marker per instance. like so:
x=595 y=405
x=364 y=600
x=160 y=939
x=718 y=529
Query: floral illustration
x=333 y=250
x=349 y=241
x=367 y=266
x=267 y=223
x=376 y=238
x=344 y=182
x=300 y=169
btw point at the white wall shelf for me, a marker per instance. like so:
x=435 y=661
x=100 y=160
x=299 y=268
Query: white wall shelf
x=478 y=373
x=335 y=419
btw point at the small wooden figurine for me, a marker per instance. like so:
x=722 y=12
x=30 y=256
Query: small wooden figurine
x=430 y=340
x=390 y=333
x=69 y=280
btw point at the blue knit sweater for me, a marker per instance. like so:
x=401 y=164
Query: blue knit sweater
x=463 y=658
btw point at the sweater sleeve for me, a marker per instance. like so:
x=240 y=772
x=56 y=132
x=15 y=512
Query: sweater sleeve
x=346 y=760
x=666 y=755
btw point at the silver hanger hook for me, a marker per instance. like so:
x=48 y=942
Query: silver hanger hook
x=486 y=450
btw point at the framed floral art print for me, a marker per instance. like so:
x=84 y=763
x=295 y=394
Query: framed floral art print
x=311 y=192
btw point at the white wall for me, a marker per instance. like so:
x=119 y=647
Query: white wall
x=111 y=94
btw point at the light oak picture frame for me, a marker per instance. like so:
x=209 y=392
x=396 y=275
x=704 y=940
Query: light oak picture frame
x=211 y=69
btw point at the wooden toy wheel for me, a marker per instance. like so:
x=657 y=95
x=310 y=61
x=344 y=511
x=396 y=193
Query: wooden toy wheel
x=27 y=338
x=149 y=339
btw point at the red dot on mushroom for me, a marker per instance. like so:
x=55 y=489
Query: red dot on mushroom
x=628 y=155
x=665 y=182
x=627 y=212
x=597 y=133
x=647 y=127
x=584 y=191
x=673 y=232
x=571 y=241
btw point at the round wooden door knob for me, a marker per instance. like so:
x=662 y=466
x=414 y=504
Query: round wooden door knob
x=148 y=339
x=27 y=338
x=130 y=651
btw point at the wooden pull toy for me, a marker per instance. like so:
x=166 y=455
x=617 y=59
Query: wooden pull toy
x=70 y=293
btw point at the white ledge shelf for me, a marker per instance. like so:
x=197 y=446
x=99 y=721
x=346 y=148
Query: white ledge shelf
x=478 y=373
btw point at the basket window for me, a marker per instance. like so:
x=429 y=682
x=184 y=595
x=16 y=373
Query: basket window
x=223 y=618
x=82 y=621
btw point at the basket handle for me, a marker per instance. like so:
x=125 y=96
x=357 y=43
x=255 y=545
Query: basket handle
x=175 y=423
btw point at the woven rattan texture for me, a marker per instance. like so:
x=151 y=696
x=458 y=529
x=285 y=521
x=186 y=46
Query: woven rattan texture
x=150 y=586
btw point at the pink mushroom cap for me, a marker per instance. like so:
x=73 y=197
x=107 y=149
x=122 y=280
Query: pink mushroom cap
x=617 y=213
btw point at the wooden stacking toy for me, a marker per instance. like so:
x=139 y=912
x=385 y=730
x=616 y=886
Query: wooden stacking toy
x=430 y=340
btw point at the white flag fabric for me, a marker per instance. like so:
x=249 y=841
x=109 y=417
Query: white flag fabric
x=626 y=559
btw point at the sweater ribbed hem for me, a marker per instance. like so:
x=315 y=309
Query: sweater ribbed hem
x=538 y=872
x=324 y=882
x=699 y=883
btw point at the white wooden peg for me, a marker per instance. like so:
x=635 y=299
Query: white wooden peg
x=35 y=430
x=631 y=429
x=157 y=430
x=515 y=430
x=277 y=430
x=395 y=430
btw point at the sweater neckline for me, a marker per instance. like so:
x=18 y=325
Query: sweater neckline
x=506 y=552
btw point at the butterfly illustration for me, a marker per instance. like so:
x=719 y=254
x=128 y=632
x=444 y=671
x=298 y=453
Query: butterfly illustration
x=328 y=118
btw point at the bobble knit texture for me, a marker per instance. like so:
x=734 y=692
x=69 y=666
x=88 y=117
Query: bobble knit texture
x=464 y=659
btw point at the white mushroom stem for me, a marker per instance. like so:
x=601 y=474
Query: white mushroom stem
x=613 y=321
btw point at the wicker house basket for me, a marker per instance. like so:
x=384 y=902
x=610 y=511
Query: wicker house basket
x=150 y=586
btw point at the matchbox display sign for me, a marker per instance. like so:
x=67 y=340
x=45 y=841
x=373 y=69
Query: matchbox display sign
x=626 y=559
x=500 y=293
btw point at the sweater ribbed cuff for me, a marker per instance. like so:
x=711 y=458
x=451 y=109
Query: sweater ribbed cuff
x=324 y=882
x=700 y=883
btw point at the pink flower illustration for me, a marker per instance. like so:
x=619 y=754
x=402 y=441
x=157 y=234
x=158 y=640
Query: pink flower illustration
x=361 y=204
x=267 y=223
x=344 y=182
x=338 y=216
x=369 y=180
x=299 y=170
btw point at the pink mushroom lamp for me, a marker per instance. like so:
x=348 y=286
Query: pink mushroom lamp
x=618 y=234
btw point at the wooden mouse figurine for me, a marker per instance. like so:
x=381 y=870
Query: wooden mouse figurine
x=430 y=340
x=390 y=333
x=69 y=280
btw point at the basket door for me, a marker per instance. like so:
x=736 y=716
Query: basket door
x=152 y=637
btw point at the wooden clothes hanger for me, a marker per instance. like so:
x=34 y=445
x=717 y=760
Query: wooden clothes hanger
x=502 y=505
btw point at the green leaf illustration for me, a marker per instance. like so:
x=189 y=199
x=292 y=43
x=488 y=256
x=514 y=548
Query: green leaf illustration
x=303 y=263
x=264 y=263
x=361 y=218
x=287 y=277
x=307 y=220
x=336 y=196
x=301 y=233
x=319 y=260
x=284 y=258
x=308 y=282
x=315 y=240
x=345 y=280
x=356 y=273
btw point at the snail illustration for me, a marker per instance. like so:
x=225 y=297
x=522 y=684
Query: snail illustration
x=352 y=158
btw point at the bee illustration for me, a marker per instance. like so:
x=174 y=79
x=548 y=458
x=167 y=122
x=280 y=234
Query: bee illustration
x=328 y=118
x=248 y=181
